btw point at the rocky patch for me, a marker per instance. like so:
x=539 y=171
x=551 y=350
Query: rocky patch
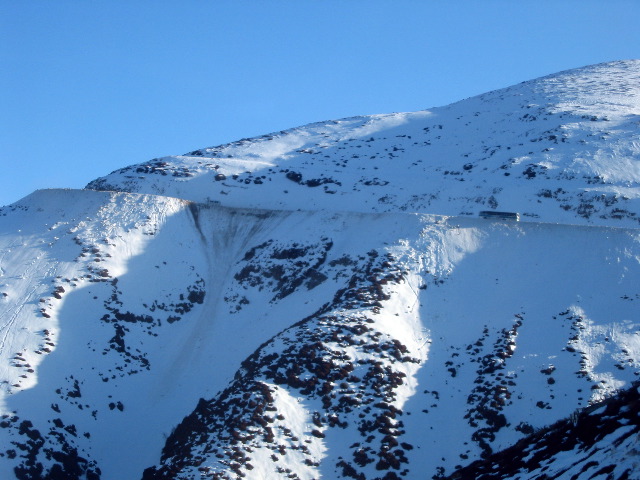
x=280 y=269
x=356 y=391
x=593 y=438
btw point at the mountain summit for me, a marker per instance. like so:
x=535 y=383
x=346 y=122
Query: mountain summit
x=325 y=302
x=561 y=148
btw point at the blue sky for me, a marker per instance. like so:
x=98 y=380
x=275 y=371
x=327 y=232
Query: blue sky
x=91 y=86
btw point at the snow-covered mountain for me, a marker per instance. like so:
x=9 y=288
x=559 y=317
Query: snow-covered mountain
x=324 y=302
x=562 y=148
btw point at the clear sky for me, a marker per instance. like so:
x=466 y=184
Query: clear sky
x=87 y=86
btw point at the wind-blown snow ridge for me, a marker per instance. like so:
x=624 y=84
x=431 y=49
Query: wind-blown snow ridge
x=562 y=148
x=171 y=329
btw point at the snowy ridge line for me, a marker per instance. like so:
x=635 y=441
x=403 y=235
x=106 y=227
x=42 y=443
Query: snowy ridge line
x=560 y=148
x=91 y=191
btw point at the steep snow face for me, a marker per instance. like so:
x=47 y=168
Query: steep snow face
x=562 y=148
x=452 y=341
x=307 y=343
x=82 y=274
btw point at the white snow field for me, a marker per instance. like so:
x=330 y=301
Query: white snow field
x=326 y=303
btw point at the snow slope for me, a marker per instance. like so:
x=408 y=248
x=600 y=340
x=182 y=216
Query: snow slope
x=441 y=303
x=600 y=441
x=64 y=355
x=485 y=354
x=562 y=148
x=288 y=323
